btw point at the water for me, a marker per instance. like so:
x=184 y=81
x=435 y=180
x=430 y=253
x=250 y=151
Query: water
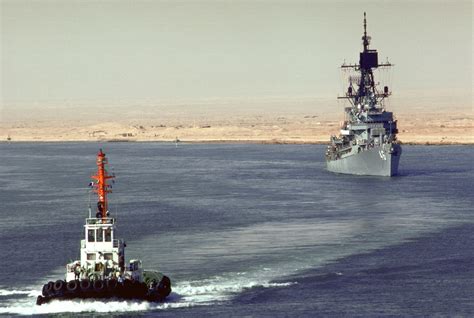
x=246 y=230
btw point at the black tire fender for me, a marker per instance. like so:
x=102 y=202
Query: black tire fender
x=85 y=284
x=99 y=286
x=112 y=285
x=59 y=285
x=72 y=286
x=47 y=289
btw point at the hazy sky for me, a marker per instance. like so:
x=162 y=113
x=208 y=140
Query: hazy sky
x=139 y=50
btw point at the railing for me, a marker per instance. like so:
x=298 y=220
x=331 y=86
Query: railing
x=100 y=221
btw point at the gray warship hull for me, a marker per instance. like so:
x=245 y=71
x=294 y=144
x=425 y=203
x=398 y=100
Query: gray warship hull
x=367 y=143
x=377 y=161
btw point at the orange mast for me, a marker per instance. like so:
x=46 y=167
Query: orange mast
x=101 y=186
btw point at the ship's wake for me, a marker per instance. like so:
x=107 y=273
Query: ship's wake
x=262 y=268
x=16 y=292
x=185 y=294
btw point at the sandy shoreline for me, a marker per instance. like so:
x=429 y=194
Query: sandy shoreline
x=307 y=129
x=272 y=121
x=254 y=142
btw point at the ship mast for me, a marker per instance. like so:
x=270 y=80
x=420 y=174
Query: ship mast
x=365 y=38
x=368 y=60
x=101 y=187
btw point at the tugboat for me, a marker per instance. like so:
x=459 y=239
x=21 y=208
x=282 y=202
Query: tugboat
x=101 y=272
x=367 y=144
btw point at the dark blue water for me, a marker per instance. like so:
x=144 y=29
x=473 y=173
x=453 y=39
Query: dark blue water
x=247 y=230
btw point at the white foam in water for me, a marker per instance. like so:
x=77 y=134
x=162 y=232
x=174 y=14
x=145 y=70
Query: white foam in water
x=76 y=306
x=221 y=288
x=279 y=284
x=12 y=292
x=185 y=294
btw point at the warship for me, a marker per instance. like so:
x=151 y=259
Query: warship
x=367 y=144
x=101 y=271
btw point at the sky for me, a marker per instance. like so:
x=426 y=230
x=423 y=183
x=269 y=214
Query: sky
x=58 y=51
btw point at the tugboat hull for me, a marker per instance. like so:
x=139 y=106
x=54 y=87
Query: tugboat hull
x=377 y=161
x=105 y=289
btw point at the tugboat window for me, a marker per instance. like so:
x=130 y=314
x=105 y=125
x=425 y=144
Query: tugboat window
x=108 y=235
x=91 y=257
x=100 y=235
x=108 y=256
x=91 y=236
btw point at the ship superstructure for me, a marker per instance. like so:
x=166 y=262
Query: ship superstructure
x=367 y=144
x=101 y=271
x=102 y=255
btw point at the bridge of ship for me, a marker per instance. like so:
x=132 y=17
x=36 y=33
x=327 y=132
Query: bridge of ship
x=101 y=254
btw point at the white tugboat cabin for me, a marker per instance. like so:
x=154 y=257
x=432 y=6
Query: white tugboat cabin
x=102 y=256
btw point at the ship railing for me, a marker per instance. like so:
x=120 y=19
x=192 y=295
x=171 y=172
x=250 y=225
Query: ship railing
x=100 y=221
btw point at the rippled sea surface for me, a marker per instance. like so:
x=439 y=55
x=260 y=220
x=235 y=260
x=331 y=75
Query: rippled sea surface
x=246 y=230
